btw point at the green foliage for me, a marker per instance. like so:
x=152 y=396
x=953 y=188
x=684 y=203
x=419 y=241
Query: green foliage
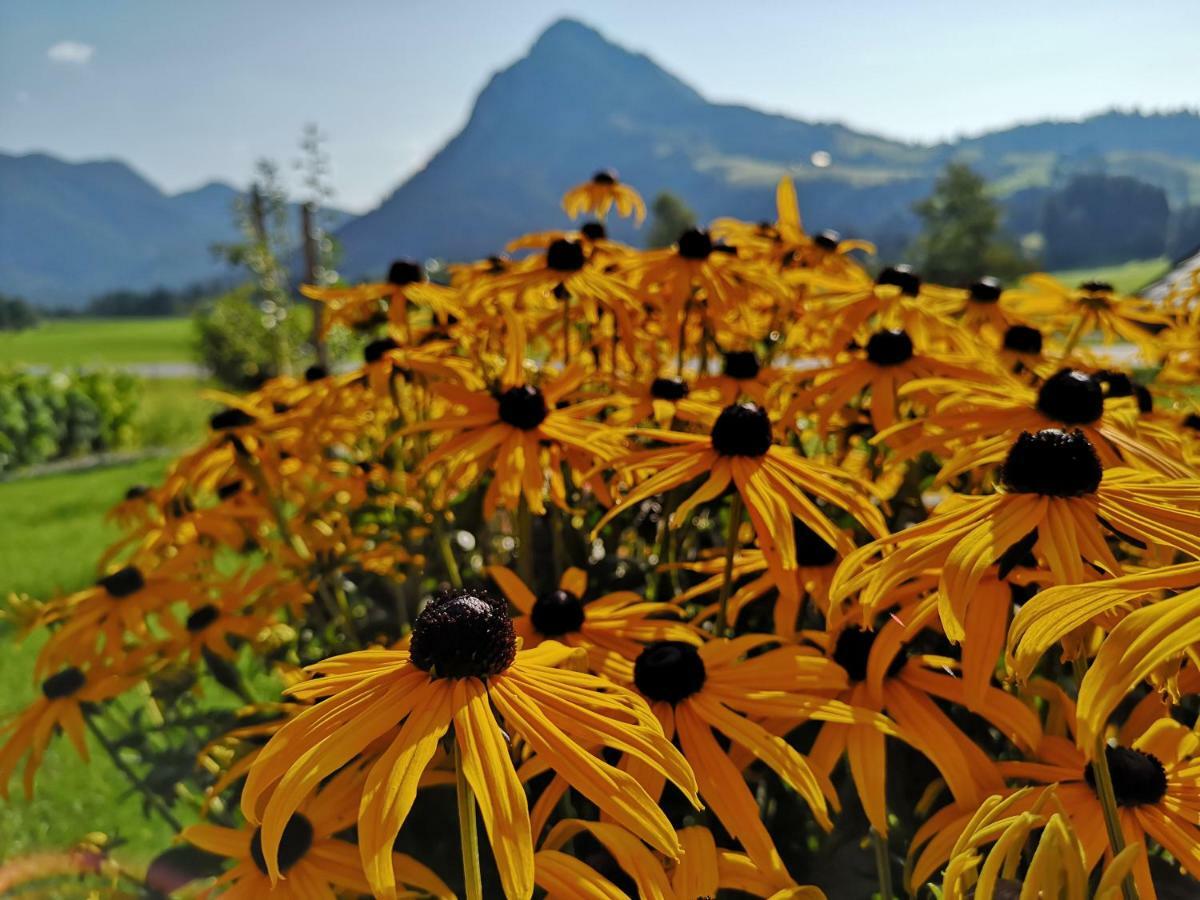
x=1099 y=219
x=16 y=314
x=244 y=339
x=670 y=217
x=49 y=417
x=961 y=238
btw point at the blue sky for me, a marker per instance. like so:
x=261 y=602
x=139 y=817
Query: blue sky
x=189 y=92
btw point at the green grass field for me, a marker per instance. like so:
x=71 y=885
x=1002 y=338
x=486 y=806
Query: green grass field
x=52 y=530
x=97 y=342
x=1126 y=277
x=172 y=413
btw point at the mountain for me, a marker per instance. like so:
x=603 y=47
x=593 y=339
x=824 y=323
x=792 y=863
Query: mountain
x=577 y=103
x=70 y=231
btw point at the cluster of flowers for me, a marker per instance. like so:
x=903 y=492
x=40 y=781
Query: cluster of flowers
x=657 y=557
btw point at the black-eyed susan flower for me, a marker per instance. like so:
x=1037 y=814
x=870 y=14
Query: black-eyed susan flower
x=611 y=629
x=1053 y=488
x=716 y=687
x=1092 y=305
x=972 y=423
x=1154 y=778
x=462 y=669
x=887 y=362
x=60 y=705
x=386 y=301
x=509 y=433
x=661 y=400
x=312 y=860
x=600 y=194
x=775 y=482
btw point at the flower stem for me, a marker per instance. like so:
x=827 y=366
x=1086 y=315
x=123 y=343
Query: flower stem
x=468 y=832
x=724 y=626
x=1074 y=335
x=524 y=542
x=152 y=799
x=1104 y=785
x=442 y=536
x=883 y=866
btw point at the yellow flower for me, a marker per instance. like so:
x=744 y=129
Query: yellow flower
x=600 y=194
x=462 y=669
x=311 y=861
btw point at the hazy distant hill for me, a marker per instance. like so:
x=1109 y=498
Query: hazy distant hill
x=577 y=102
x=69 y=231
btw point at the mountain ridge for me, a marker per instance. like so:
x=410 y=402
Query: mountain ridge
x=577 y=102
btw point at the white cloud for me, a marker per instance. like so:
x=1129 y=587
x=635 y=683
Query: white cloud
x=71 y=53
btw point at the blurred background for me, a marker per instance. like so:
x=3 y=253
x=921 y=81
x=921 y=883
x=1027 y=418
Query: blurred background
x=169 y=173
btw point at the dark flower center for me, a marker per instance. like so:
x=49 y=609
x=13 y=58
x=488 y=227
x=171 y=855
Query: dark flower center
x=232 y=489
x=1023 y=339
x=375 y=350
x=123 y=582
x=1071 y=397
x=315 y=373
x=742 y=429
x=1138 y=778
x=402 y=271
x=604 y=177
x=230 y=418
x=902 y=277
x=296 y=840
x=889 y=347
x=985 y=290
x=462 y=634
x=669 y=388
x=522 y=407
x=1192 y=421
x=556 y=613
x=63 y=684
x=1115 y=384
x=1096 y=287
x=828 y=240
x=669 y=671
x=741 y=365
x=565 y=256
x=594 y=231
x=1145 y=400
x=811 y=549
x=695 y=244
x=137 y=492
x=1052 y=463
x=853 y=653
x=202 y=618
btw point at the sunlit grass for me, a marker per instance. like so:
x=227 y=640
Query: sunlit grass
x=98 y=342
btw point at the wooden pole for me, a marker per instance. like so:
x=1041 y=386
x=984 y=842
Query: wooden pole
x=311 y=264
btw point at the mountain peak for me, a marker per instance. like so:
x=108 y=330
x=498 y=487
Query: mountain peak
x=568 y=32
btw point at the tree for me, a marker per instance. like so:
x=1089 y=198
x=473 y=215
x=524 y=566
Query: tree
x=16 y=314
x=1103 y=219
x=961 y=239
x=671 y=217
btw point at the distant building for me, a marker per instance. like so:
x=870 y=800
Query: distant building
x=1184 y=272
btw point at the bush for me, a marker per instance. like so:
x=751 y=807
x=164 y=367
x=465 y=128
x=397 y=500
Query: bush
x=244 y=342
x=49 y=417
x=16 y=314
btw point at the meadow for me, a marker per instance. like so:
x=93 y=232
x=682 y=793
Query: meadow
x=65 y=343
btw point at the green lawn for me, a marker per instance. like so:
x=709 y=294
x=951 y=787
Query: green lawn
x=171 y=412
x=52 y=530
x=71 y=342
x=1126 y=277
